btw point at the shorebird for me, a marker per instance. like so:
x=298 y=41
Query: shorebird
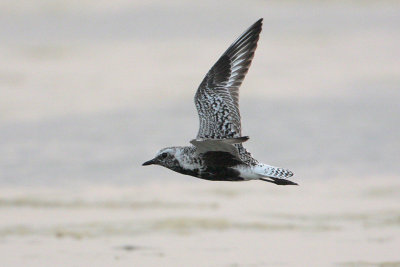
x=217 y=153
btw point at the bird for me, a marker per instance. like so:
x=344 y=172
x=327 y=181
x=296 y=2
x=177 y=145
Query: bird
x=217 y=153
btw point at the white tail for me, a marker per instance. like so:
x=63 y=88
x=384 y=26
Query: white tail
x=265 y=170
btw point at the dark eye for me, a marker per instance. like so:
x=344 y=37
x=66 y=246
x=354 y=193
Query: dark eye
x=164 y=155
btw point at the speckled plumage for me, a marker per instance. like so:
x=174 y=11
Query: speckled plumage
x=217 y=153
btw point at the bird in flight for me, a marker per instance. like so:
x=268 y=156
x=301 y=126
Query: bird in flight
x=217 y=153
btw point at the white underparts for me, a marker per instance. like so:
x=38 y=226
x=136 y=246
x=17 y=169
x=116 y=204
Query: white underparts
x=262 y=170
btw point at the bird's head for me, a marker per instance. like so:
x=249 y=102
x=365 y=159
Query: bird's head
x=166 y=157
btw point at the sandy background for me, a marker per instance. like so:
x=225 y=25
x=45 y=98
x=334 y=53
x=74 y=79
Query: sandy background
x=324 y=223
x=91 y=89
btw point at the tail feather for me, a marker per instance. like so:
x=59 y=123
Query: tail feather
x=278 y=172
x=274 y=174
x=279 y=181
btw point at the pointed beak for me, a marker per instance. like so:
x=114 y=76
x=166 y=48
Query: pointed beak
x=150 y=162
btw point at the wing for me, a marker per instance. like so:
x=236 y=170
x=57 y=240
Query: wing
x=219 y=152
x=217 y=98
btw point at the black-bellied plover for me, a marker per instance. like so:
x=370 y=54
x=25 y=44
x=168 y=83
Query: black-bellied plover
x=217 y=154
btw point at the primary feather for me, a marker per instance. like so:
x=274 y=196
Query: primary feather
x=217 y=98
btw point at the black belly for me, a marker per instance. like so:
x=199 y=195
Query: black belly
x=221 y=174
x=213 y=174
x=222 y=178
x=219 y=167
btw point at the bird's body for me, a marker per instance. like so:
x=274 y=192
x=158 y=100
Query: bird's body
x=217 y=154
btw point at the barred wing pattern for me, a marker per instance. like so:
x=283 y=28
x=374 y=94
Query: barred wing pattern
x=217 y=98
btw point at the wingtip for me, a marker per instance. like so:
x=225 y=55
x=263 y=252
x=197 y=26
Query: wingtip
x=259 y=22
x=257 y=26
x=245 y=138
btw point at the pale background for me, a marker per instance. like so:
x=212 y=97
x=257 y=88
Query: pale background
x=91 y=89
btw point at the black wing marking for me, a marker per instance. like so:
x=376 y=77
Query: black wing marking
x=217 y=159
x=217 y=98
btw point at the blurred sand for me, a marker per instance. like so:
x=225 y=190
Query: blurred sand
x=320 y=223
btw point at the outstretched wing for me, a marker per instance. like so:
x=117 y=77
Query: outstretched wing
x=217 y=98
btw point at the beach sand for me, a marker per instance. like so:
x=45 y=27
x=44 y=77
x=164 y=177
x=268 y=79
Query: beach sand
x=340 y=222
